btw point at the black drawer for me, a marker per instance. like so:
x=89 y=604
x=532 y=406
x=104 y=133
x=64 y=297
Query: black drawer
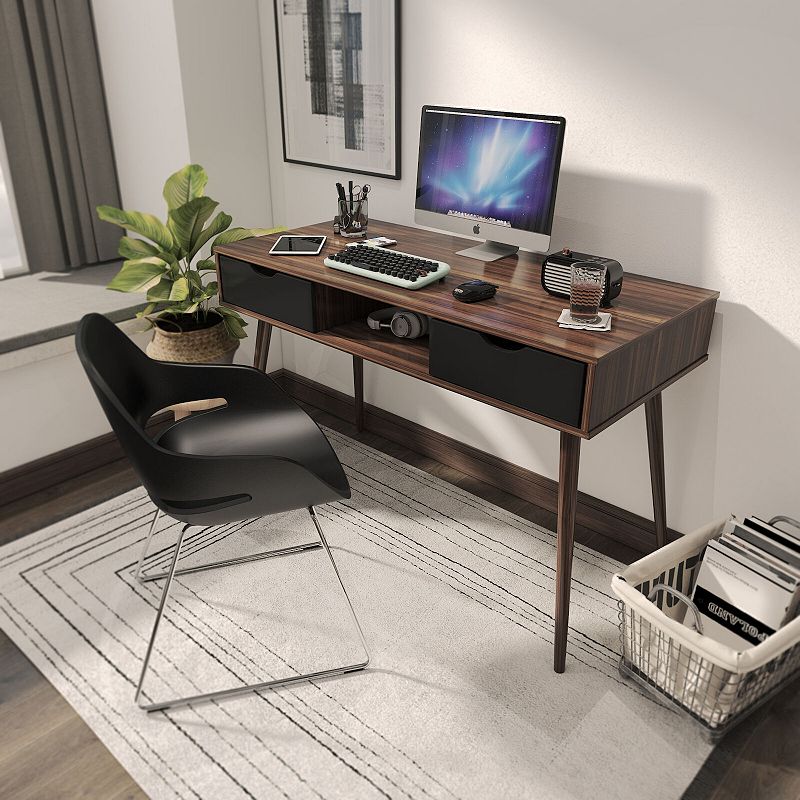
x=265 y=291
x=535 y=380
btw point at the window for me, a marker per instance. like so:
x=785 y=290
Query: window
x=12 y=255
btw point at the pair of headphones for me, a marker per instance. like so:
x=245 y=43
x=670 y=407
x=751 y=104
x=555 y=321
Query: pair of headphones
x=404 y=324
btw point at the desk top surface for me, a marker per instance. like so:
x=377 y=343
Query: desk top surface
x=520 y=311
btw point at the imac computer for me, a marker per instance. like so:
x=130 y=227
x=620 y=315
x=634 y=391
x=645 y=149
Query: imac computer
x=490 y=174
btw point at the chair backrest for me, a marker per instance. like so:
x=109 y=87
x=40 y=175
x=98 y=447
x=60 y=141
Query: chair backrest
x=121 y=376
x=203 y=488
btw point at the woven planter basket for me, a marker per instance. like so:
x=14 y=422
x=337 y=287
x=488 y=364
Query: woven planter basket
x=205 y=346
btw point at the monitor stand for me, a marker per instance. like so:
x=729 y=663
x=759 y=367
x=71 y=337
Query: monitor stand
x=489 y=251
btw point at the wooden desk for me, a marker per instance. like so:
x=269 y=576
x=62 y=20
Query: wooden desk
x=660 y=331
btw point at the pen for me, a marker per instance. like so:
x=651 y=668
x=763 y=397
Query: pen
x=362 y=197
x=340 y=192
x=350 y=190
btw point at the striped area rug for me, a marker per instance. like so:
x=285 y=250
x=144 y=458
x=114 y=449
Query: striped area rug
x=456 y=599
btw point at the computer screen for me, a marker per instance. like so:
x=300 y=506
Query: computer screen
x=490 y=173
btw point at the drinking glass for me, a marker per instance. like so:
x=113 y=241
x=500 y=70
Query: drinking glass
x=586 y=292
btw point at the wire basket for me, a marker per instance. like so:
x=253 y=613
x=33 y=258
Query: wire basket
x=713 y=684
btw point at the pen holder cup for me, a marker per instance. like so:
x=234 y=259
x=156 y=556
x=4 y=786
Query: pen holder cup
x=352 y=222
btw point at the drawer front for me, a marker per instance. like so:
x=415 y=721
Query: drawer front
x=265 y=291
x=535 y=380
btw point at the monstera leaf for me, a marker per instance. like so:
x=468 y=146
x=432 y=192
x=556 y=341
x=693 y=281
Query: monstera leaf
x=180 y=289
x=136 y=248
x=159 y=293
x=216 y=226
x=237 y=234
x=234 y=324
x=184 y=185
x=145 y=224
x=139 y=274
x=186 y=222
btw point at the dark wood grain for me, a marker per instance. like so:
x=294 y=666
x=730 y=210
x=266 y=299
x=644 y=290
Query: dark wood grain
x=46 y=749
x=641 y=400
x=624 y=377
x=521 y=311
x=333 y=307
x=660 y=329
x=358 y=391
x=263 y=336
x=655 y=449
x=567 y=504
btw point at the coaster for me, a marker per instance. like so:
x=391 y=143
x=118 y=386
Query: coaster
x=565 y=321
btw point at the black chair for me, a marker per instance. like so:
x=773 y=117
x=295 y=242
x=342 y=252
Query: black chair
x=259 y=454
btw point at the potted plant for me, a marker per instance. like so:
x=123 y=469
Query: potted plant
x=168 y=265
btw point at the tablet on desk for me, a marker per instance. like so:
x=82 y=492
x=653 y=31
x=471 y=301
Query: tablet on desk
x=299 y=245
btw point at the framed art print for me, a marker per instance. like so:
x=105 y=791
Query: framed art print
x=339 y=76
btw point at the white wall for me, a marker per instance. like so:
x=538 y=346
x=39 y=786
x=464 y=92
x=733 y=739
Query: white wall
x=48 y=401
x=141 y=74
x=223 y=94
x=681 y=160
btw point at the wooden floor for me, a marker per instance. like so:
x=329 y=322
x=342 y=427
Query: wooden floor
x=47 y=751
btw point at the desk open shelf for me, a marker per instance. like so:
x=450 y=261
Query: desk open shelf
x=409 y=356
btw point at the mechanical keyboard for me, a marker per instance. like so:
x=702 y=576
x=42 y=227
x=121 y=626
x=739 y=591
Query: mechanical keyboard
x=389 y=266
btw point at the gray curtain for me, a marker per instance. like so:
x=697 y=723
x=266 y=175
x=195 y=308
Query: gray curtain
x=55 y=126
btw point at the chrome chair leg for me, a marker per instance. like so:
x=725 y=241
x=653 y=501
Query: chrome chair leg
x=159 y=614
x=324 y=541
x=147 y=544
x=282 y=551
x=271 y=684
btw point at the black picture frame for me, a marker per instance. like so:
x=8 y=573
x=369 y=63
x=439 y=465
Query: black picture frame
x=319 y=127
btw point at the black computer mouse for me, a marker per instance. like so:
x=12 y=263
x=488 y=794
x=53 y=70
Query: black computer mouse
x=473 y=291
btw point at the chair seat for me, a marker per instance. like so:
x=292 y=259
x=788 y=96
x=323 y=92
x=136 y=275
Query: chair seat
x=281 y=430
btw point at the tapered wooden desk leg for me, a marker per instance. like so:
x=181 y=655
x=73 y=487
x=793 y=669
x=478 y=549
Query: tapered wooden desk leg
x=655 y=446
x=263 y=336
x=358 y=385
x=567 y=503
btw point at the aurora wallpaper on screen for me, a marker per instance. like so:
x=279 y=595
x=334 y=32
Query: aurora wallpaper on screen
x=491 y=169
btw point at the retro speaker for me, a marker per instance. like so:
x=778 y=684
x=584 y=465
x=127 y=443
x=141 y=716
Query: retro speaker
x=557 y=273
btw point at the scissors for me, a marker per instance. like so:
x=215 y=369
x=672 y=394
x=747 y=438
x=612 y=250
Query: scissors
x=361 y=192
